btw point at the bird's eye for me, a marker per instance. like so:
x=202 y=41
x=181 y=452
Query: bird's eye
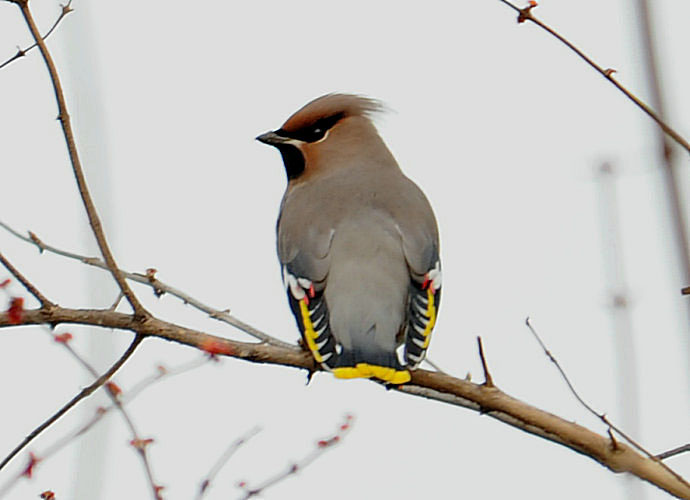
x=315 y=131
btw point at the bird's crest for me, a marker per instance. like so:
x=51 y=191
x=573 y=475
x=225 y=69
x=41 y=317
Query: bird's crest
x=335 y=106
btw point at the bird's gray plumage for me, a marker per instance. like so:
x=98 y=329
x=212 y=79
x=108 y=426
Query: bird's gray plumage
x=354 y=226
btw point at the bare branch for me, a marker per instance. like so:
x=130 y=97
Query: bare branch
x=433 y=365
x=100 y=412
x=159 y=287
x=525 y=14
x=321 y=447
x=27 y=284
x=82 y=394
x=65 y=121
x=432 y=385
x=560 y=370
x=114 y=394
x=66 y=9
x=119 y=298
x=675 y=451
x=601 y=416
x=229 y=452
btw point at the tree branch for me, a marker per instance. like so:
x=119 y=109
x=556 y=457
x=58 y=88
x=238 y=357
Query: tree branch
x=64 y=118
x=82 y=394
x=600 y=416
x=675 y=451
x=227 y=455
x=114 y=394
x=66 y=9
x=321 y=447
x=27 y=284
x=158 y=286
x=124 y=398
x=432 y=385
x=525 y=14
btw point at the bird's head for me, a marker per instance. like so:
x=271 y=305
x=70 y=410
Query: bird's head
x=330 y=131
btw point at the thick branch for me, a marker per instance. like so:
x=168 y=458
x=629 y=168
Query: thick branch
x=432 y=385
x=498 y=405
x=65 y=121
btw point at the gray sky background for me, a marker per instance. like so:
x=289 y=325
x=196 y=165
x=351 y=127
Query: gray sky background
x=501 y=126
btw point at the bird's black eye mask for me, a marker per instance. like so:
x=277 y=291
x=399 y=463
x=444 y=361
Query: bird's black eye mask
x=314 y=131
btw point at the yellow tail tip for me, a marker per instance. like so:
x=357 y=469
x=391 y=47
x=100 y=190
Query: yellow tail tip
x=365 y=370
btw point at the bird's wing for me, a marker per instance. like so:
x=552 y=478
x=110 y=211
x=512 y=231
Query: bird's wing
x=304 y=242
x=305 y=233
x=417 y=227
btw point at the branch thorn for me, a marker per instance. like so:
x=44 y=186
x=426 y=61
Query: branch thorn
x=488 y=381
x=614 y=443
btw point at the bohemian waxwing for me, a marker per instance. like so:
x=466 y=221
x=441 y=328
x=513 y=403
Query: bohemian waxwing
x=357 y=243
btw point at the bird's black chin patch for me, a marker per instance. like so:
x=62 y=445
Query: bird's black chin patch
x=293 y=160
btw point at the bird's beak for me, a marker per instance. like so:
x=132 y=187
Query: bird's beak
x=272 y=139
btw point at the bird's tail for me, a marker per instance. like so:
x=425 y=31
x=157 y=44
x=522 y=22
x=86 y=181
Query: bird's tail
x=366 y=370
x=380 y=365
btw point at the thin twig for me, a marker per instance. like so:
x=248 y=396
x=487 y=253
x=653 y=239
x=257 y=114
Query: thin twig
x=560 y=370
x=150 y=280
x=161 y=373
x=82 y=394
x=227 y=454
x=675 y=451
x=433 y=365
x=525 y=14
x=115 y=395
x=600 y=416
x=488 y=381
x=65 y=122
x=119 y=298
x=66 y=9
x=110 y=390
x=27 y=284
x=125 y=398
x=321 y=447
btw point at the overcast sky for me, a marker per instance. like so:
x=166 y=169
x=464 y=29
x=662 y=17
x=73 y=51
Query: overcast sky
x=501 y=126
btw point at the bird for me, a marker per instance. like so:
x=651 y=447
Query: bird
x=357 y=241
